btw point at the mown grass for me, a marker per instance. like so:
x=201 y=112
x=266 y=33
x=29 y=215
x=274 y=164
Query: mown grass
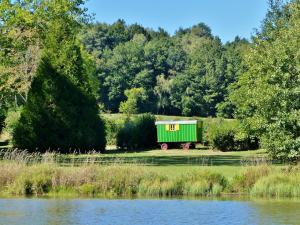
x=173 y=162
x=23 y=174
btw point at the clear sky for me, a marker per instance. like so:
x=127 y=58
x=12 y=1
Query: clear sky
x=226 y=18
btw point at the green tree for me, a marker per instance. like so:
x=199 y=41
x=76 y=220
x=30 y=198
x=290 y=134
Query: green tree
x=59 y=115
x=163 y=91
x=233 y=54
x=199 y=67
x=61 y=112
x=118 y=71
x=200 y=87
x=134 y=97
x=24 y=26
x=267 y=94
x=199 y=30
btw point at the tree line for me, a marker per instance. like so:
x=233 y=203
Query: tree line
x=188 y=73
x=62 y=68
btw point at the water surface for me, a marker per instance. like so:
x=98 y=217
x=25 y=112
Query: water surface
x=146 y=212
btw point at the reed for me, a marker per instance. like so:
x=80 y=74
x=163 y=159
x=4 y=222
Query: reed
x=22 y=173
x=244 y=182
x=280 y=184
x=98 y=180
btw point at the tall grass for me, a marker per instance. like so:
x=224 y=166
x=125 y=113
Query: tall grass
x=41 y=174
x=112 y=180
x=278 y=184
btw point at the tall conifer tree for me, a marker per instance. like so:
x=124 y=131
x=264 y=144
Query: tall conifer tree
x=61 y=112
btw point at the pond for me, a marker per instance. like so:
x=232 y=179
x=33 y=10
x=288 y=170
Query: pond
x=142 y=212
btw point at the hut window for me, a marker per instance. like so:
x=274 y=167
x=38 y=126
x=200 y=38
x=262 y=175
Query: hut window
x=172 y=127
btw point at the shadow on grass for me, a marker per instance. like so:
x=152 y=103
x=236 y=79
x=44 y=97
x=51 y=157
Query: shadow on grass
x=124 y=151
x=164 y=160
x=4 y=144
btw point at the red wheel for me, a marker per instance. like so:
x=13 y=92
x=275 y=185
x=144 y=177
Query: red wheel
x=164 y=147
x=186 y=146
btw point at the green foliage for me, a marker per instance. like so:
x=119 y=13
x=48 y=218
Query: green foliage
x=23 y=33
x=2 y=119
x=99 y=37
x=162 y=91
x=58 y=115
x=139 y=132
x=12 y=118
x=199 y=30
x=134 y=97
x=200 y=87
x=234 y=52
x=267 y=94
x=121 y=66
x=61 y=112
x=228 y=136
x=112 y=128
x=186 y=74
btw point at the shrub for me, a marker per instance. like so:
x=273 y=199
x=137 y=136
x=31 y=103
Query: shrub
x=138 y=133
x=2 y=118
x=226 y=135
x=112 y=128
x=12 y=118
x=224 y=140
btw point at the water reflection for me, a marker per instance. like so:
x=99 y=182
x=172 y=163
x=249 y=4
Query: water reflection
x=145 y=212
x=285 y=211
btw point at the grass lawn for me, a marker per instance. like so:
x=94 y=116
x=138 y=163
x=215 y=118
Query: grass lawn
x=176 y=162
x=119 y=116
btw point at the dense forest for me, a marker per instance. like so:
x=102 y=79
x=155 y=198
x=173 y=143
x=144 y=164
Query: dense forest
x=60 y=67
x=188 y=73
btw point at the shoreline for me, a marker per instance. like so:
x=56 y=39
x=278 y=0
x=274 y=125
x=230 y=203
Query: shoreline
x=135 y=181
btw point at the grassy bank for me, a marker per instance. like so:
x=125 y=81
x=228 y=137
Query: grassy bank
x=95 y=180
x=23 y=174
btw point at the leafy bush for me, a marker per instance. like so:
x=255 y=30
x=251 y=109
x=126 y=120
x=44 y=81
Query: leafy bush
x=138 y=133
x=2 y=118
x=12 y=118
x=112 y=128
x=226 y=135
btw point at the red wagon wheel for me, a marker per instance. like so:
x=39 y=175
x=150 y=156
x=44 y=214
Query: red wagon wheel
x=186 y=146
x=164 y=147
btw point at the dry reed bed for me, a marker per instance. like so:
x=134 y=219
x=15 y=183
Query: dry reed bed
x=23 y=174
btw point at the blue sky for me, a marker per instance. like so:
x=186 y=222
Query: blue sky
x=227 y=18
